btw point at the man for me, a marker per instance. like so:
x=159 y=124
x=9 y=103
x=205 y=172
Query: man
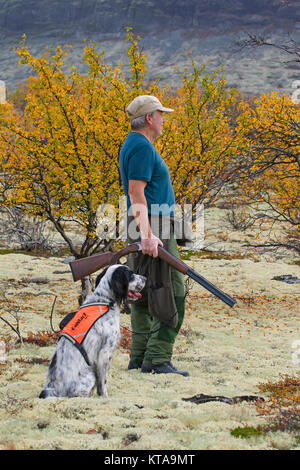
x=156 y=319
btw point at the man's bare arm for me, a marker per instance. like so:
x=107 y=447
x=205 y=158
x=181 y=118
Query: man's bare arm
x=149 y=242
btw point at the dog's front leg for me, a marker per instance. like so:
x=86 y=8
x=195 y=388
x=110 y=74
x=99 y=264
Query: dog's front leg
x=101 y=387
x=102 y=371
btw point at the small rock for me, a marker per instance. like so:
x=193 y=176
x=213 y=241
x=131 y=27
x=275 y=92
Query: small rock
x=129 y=438
x=289 y=278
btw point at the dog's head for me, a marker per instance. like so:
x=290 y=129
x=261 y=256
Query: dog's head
x=120 y=283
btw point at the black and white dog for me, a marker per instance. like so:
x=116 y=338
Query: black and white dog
x=69 y=374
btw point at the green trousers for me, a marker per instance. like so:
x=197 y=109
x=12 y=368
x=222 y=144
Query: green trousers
x=153 y=341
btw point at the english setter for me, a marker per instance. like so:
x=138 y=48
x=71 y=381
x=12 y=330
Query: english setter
x=70 y=374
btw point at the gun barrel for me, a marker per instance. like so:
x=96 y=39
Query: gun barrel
x=172 y=260
x=211 y=287
x=85 y=266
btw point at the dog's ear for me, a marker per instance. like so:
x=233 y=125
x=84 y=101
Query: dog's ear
x=100 y=276
x=119 y=283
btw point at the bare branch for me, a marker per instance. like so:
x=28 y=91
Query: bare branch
x=291 y=47
x=12 y=310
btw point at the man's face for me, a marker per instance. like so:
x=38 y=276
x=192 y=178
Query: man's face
x=156 y=123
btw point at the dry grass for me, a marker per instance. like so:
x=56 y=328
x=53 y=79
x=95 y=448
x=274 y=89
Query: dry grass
x=227 y=352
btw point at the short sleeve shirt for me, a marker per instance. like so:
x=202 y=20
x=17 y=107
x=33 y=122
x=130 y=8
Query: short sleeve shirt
x=139 y=160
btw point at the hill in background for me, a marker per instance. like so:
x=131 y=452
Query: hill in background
x=170 y=30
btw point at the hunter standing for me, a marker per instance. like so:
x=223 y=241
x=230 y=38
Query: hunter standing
x=157 y=318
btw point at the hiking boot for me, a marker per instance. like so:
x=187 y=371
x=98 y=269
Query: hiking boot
x=134 y=365
x=165 y=368
x=146 y=368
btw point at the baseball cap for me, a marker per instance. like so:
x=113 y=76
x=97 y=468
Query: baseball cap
x=145 y=104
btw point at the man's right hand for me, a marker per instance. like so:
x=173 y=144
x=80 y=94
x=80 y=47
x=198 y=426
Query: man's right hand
x=149 y=246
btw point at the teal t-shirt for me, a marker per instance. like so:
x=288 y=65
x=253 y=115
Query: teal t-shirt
x=139 y=160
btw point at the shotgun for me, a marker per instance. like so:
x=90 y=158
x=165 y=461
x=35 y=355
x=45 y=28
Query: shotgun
x=85 y=266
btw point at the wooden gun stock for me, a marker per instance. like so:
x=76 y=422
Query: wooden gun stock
x=85 y=266
x=89 y=265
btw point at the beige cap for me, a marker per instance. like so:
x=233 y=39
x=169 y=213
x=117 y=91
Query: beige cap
x=145 y=104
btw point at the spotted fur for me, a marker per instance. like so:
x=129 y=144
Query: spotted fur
x=68 y=373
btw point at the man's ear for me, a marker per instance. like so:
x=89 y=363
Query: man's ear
x=148 y=118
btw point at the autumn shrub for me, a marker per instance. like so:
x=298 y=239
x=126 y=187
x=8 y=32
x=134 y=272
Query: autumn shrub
x=125 y=341
x=41 y=338
x=281 y=409
x=59 y=154
x=269 y=174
